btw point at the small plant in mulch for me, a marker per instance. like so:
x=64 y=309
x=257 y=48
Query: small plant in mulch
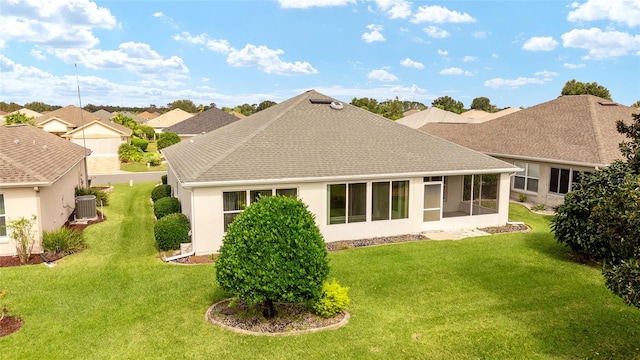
x=8 y=324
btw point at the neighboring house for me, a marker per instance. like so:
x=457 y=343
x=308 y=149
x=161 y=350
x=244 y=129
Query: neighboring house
x=481 y=116
x=168 y=119
x=38 y=175
x=103 y=114
x=202 y=123
x=360 y=174
x=102 y=137
x=410 y=112
x=137 y=118
x=237 y=114
x=148 y=115
x=552 y=142
x=24 y=111
x=432 y=115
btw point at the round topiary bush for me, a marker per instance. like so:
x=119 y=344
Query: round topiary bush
x=273 y=252
x=142 y=144
x=171 y=231
x=165 y=206
x=129 y=153
x=160 y=191
x=167 y=139
x=163 y=178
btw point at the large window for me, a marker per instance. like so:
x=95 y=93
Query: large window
x=3 y=217
x=527 y=179
x=234 y=202
x=481 y=191
x=347 y=203
x=561 y=180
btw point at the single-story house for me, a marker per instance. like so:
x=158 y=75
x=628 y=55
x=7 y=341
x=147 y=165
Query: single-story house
x=38 y=175
x=103 y=114
x=202 y=123
x=552 y=142
x=148 y=115
x=432 y=115
x=167 y=119
x=479 y=116
x=102 y=136
x=24 y=111
x=360 y=174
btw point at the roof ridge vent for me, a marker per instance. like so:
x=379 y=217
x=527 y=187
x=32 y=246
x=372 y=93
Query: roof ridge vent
x=607 y=103
x=321 y=101
x=336 y=105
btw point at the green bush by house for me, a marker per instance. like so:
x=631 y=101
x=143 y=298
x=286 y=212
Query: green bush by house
x=164 y=179
x=140 y=143
x=129 y=153
x=334 y=299
x=167 y=139
x=102 y=197
x=171 y=231
x=160 y=192
x=63 y=240
x=165 y=206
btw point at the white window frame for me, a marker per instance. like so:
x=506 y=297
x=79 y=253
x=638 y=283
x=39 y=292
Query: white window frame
x=526 y=177
x=3 y=238
x=248 y=202
x=572 y=174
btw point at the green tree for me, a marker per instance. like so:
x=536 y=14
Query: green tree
x=186 y=105
x=245 y=109
x=413 y=105
x=125 y=121
x=167 y=139
x=273 y=252
x=144 y=132
x=24 y=236
x=10 y=107
x=447 y=103
x=484 y=104
x=39 y=106
x=368 y=104
x=391 y=109
x=573 y=87
x=265 y=105
x=636 y=104
x=18 y=118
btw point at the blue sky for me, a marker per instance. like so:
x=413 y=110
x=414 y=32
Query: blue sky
x=137 y=53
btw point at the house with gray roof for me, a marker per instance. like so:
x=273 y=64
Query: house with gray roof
x=362 y=175
x=432 y=115
x=38 y=175
x=202 y=123
x=167 y=119
x=552 y=142
x=103 y=114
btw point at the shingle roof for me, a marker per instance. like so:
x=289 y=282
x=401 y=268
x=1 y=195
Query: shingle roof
x=137 y=118
x=204 y=122
x=432 y=115
x=106 y=123
x=104 y=114
x=297 y=139
x=71 y=114
x=169 y=118
x=30 y=155
x=571 y=128
x=147 y=115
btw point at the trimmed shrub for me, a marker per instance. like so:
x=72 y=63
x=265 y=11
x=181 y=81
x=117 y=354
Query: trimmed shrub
x=167 y=139
x=140 y=143
x=334 y=299
x=273 y=252
x=63 y=240
x=144 y=132
x=165 y=206
x=164 y=179
x=102 y=197
x=154 y=159
x=171 y=231
x=160 y=191
x=624 y=281
x=129 y=153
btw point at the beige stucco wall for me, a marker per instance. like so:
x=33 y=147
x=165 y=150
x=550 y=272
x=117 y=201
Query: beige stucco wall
x=55 y=126
x=543 y=196
x=51 y=204
x=204 y=207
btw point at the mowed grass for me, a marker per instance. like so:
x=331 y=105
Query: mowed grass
x=514 y=296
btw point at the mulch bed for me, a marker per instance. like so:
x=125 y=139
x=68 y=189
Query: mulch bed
x=7 y=261
x=289 y=319
x=506 y=229
x=9 y=325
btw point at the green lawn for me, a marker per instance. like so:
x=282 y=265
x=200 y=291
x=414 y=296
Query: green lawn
x=141 y=167
x=510 y=296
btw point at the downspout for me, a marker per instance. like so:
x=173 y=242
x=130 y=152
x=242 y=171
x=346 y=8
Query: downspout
x=193 y=251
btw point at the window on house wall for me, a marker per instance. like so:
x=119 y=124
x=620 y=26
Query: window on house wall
x=234 y=202
x=561 y=180
x=389 y=200
x=347 y=203
x=357 y=202
x=527 y=179
x=481 y=191
x=3 y=217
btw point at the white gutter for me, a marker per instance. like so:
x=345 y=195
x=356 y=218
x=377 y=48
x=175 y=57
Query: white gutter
x=552 y=161
x=191 y=185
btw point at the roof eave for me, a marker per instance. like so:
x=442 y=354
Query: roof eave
x=547 y=160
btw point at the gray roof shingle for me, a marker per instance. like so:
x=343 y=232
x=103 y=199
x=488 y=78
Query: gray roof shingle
x=32 y=155
x=571 y=128
x=297 y=139
x=203 y=122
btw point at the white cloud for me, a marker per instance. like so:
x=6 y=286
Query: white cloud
x=455 y=71
x=413 y=92
x=469 y=58
x=396 y=9
x=542 y=77
x=304 y=4
x=573 y=66
x=480 y=34
x=436 y=32
x=622 y=11
x=495 y=56
x=54 y=23
x=268 y=60
x=443 y=52
x=381 y=75
x=137 y=58
x=438 y=14
x=602 y=44
x=215 y=45
x=374 y=35
x=410 y=63
x=205 y=79
x=540 y=43
x=37 y=53
x=158 y=14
